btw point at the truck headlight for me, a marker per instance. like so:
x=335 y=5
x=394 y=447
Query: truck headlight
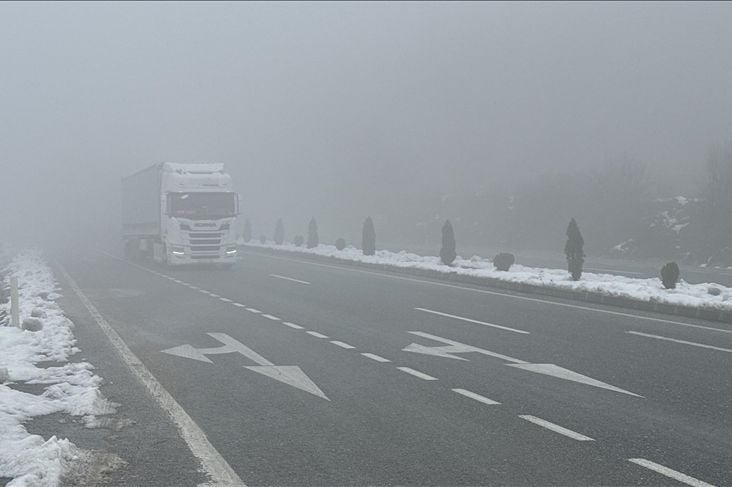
x=177 y=251
x=231 y=252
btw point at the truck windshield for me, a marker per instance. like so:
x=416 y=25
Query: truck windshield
x=202 y=205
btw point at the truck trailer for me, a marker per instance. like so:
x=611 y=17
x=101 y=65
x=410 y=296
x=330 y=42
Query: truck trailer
x=178 y=214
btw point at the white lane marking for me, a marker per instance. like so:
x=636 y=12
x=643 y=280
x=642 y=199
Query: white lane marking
x=239 y=305
x=484 y=291
x=477 y=397
x=701 y=345
x=255 y=311
x=566 y=374
x=556 y=428
x=470 y=320
x=270 y=317
x=378 y=358
x=292 y=325
x=451 y=348
x=289 y=279
x=316 y=334
x=195 y=288
x=225 y=300
x=214 y=295
x=214 y=465
x=342 y=344
x=417 y=373
x=683 y=478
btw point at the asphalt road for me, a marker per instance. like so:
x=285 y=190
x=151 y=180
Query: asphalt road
x=296 y=373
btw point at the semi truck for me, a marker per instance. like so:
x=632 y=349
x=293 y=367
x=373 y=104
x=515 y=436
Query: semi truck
x=177 y=214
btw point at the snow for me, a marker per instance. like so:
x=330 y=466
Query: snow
x=649 y=290
x=71 y=388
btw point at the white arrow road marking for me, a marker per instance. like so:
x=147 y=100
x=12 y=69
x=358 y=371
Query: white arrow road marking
x=289 y=279
x=291 y=375
x=556 y=428
x=669 y=473
x=566 y=374
x=470 y=320
x=701 y=345
x=452 y=347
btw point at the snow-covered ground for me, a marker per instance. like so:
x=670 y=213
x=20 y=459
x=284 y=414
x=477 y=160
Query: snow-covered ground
x=71 y=388
x=651 y=290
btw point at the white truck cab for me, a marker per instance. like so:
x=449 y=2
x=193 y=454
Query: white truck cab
x=180 y=214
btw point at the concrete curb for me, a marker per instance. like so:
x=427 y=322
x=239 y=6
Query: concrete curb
x=702 y=313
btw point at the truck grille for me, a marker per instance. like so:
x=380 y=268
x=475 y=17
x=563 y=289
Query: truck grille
x=204 y=245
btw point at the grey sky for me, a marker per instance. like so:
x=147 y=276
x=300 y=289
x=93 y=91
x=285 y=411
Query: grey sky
x=326 y=108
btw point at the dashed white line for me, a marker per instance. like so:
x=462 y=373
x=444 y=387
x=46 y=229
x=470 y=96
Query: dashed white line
x=556 y=428
x=214 y=295
x=316 y=334
x=373 y=356
x=342 y=344
x=270 y=317
x=255 y=311
x=477 y=397
x=239 y=305
x=225 y=300
x=700 y=345
x=673 y=474
x=292 y=325
x=417 y=373
x=211 y=460
x=289 y=279
x=470 y=320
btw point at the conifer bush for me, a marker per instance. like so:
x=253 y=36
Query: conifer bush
x=340 y=244
x=368 y=237
x=573 y=249
x=670 y=275
x=279 y=235
x=447 y=252
x=504 y=261
x=313 y=240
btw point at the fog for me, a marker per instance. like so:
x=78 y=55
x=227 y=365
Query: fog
x=345 y=110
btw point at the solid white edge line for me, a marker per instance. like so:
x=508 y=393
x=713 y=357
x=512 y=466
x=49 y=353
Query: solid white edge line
x=292 y=325
x=693 y=344
x=477 y=397
x=470 y=320
x=416 y=373
x=556 y=428
x=289 y=279
x=673 y=474
x=342 y=344
x=485 y=291
x=375 y=357
x=316 y=334
x=212 y=462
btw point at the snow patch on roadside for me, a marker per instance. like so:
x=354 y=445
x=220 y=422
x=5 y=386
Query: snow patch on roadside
x=650 y=290
x=71 y=388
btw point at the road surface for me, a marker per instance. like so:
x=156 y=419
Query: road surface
x=300 y=373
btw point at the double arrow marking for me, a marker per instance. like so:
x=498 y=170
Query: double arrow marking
x=453 y=347
x=291 y=375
